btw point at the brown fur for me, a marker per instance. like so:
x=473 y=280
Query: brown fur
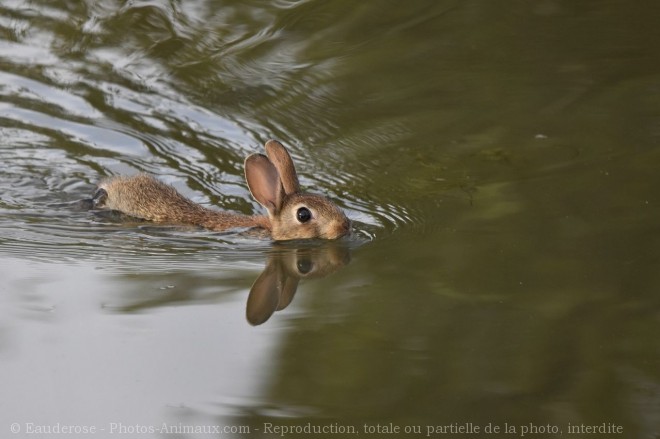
x=273 y=182
x=142 y=196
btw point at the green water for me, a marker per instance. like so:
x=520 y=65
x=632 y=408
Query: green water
x=499 y=161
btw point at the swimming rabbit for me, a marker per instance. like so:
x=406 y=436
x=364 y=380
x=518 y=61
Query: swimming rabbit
x=273 y=182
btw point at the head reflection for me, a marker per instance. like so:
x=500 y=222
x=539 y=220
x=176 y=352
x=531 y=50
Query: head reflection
x=287 y=263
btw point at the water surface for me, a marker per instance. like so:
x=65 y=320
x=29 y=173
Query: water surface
x=499 y=162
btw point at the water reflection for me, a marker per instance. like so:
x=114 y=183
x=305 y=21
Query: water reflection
x=287 y=264
x=273 y=290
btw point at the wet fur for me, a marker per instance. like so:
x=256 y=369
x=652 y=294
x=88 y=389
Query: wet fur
x=142 y=196
x=273 y=182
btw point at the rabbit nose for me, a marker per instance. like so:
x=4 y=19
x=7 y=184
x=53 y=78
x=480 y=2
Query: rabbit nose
x=344 y=227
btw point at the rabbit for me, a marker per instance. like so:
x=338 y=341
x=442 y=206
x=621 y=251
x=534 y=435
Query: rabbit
x=276 y=286
x=273 y=182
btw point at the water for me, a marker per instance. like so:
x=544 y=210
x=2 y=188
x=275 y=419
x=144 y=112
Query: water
x=499 y=162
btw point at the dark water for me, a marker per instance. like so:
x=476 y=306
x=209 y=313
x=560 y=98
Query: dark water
x=499 y=160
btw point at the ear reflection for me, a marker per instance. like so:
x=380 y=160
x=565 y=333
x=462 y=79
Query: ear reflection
x=287 y=263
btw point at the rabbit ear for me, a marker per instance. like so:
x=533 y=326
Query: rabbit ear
x=281 y=159
x=289 y=287
x=264 y=182
x=272 y=291
x=264 y=296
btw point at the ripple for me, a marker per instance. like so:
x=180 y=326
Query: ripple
x=21 y=87
x=22 y=53
x=123 y=247
x=186 y=99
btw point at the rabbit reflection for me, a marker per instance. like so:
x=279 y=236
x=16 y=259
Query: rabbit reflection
x=273 y=289
x=287 y=264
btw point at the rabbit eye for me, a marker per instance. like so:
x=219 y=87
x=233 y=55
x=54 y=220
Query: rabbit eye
x=303 y=215
x=304 y=266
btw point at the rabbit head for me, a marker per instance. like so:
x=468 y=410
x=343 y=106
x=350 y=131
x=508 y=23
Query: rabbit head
x=273 y=182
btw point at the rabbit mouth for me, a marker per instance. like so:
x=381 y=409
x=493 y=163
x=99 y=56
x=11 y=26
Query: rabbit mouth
x=338 y=229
